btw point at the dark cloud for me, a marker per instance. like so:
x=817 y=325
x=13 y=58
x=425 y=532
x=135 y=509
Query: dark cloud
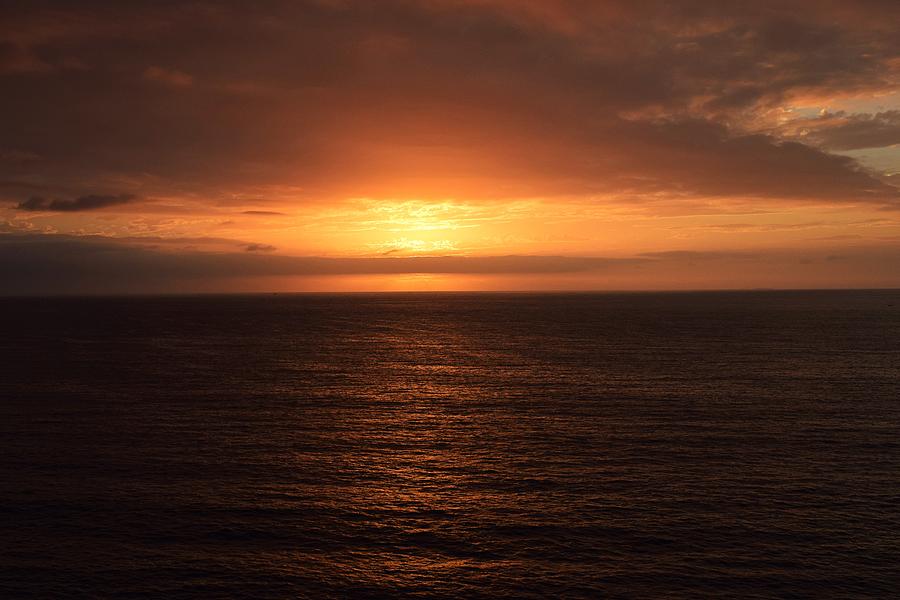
x=842 y=131
x=700 y=255
x=271 y=213
x=82 y=203
x=40 y=263
x=59 y=264
x=440 y=97
x=704 y=158
x=259 y=248
x=18 y=156
x=169 y=77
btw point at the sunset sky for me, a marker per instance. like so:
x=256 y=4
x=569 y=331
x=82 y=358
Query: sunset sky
x=157 y=146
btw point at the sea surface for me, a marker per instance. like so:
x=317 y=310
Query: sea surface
x=681 y=445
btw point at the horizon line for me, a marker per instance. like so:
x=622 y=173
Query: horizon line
x=553 y=292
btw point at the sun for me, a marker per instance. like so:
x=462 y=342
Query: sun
x=419 y=227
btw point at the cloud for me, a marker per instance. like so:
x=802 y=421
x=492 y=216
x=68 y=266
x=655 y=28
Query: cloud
x=14 y=59
x=703 y=158
x=18 y=156
x=259 y=248
x=700 y=255
x=50 y=264
x=842 y=131
x=33 y=264
x=169 y=77
x=272 y=213
x=82 y=203
x=451 y=98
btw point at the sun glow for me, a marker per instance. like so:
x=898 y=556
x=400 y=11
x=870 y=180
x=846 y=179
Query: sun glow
x=368 y=226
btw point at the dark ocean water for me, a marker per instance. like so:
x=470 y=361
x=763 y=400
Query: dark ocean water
x=451 y=445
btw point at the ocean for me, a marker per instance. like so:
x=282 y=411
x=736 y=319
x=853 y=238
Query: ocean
x=645 y=445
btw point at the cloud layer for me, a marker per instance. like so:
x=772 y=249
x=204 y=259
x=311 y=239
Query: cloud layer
x=495 y=130
x=35 y=264
x=442 y=97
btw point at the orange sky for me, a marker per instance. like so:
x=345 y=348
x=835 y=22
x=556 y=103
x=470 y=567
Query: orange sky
x=448 y=144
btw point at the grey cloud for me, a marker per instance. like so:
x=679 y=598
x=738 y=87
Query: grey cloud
x=82 y=203
x=705 y=158
x=840 y=131
x=259 y=248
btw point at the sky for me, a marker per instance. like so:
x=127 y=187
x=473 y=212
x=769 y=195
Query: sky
x=351 y=145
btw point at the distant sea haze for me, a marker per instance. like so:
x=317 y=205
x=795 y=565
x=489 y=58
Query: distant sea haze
x=740 y=444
